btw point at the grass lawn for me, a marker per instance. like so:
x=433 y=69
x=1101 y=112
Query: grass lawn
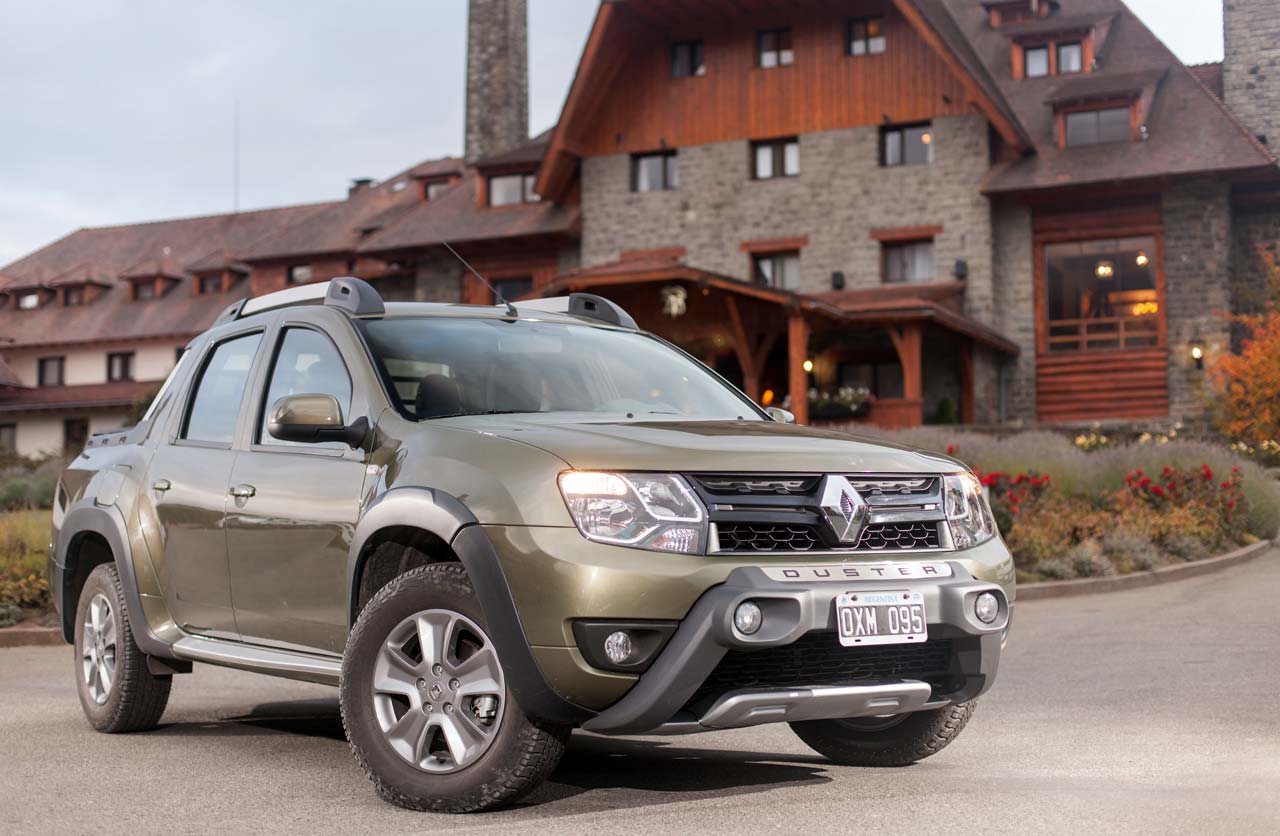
x=24 y=543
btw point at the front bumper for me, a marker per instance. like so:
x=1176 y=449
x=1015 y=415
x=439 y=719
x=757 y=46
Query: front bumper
x=555 y=578
x=671 y=696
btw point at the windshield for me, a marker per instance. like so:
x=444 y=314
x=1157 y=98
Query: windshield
x=439 y=368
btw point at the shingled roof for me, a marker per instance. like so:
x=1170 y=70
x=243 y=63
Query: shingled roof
x=106 y=254
x=1189 y=130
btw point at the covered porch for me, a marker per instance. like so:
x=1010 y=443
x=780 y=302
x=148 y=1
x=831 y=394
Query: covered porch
x=893 y=357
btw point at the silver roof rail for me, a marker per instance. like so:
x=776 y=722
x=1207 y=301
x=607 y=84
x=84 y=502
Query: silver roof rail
x=355 y=296
x=585 y=305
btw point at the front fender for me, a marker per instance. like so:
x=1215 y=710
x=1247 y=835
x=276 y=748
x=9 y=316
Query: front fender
x=449 y=519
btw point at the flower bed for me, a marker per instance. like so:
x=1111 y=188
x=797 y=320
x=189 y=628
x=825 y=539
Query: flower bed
x=1069 y=510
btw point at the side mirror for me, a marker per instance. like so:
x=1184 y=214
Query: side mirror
x=782 y=416
x=313 y=419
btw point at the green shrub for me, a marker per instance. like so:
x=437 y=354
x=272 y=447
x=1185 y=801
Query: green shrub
x=1184 y=546
x=1131 y=548
x=1088 y=561
x=1055 y=568
x=10 y=615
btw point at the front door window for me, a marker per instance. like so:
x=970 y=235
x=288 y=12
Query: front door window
x=1101 y=295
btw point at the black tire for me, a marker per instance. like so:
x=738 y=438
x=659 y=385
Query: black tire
x=135 y=698
x=913 y=737
x=523 y=752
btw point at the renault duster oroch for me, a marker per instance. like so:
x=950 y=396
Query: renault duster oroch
x=489 y=526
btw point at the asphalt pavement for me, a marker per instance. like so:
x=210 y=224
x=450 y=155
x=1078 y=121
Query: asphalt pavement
x=1150 y=711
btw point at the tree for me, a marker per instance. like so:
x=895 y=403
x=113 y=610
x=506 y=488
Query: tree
x=1249 y=381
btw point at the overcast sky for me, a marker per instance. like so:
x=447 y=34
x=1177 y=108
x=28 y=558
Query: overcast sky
x=122 y=110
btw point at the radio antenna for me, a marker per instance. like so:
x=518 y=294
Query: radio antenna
x=501 y=300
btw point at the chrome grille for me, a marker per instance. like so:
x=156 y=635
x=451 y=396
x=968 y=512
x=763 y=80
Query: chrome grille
x=894 y=485
x=768 y=538
x=748 y=485
x=752 y=537
x=900 y=537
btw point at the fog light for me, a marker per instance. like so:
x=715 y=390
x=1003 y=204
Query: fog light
x=747 y=618
x=618 y=647
x=986 y=607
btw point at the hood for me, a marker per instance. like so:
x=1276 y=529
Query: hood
x=708 y=446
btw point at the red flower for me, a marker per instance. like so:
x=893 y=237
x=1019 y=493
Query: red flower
x=1145 y=481
x=1157 y=490
x=1171 y=486
x=1235 y=470
x=951 y=449
x=1138 y=472
x=1167 y=470
x=1231 y=506
x=1226 y=486
x=1208 y=474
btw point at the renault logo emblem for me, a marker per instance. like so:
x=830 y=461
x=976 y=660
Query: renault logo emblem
x=843 y=508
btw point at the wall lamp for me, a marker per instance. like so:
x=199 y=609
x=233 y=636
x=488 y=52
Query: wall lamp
x=1197 y=352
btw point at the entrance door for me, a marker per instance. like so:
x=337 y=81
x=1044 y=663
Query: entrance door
x=292 y=520
x=75 y=432
x=1101 y=336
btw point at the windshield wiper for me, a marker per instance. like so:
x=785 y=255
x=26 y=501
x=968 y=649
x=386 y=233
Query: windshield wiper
x=489 y=412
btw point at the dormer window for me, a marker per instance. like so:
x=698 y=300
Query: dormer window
x=28 y=301
x=73 y=296
x=512 y=189
x=1035 y=61
x=300 y=274
x=208 y=284
x=1070 y=57
x=142 y=291
x=433 y=190
x=1095 y=127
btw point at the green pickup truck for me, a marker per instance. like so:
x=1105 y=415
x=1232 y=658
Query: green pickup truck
x=488 y=526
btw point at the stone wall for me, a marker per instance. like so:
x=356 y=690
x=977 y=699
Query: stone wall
x=497 y=76
x=1197 y=259
x=841 y=194
x=1013 y=280
x=437 y=277
x=1251 y=69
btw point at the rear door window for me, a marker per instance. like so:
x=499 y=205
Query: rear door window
x=220 y=390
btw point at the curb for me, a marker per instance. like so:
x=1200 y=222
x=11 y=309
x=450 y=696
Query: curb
x=1135 y=580
x=30 y=636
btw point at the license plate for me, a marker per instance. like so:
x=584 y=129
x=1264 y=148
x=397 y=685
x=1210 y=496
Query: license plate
x=897 y=617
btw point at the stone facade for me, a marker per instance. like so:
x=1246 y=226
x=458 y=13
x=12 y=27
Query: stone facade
x=1197 y=258
x=840 y=196
x=1014 y=293
x=1251 y=69
x=497 y=77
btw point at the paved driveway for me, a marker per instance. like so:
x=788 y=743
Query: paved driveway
x=1153 y=711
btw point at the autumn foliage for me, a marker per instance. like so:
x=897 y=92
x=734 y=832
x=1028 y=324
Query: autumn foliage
x=1249 y=382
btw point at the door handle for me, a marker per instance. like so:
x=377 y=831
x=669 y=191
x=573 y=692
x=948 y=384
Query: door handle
x=243 y=491
x=160 y=485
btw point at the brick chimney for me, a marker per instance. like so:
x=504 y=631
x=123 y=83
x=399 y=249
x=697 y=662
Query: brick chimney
x=1251 y=65
x=497 y=76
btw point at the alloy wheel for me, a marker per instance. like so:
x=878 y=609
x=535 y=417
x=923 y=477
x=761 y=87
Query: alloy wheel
x=98 y=649
x=438 y=691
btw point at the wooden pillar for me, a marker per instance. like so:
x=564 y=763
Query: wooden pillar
x=743 y=349
x=968 y=391
x=908 y=343
x=797 y=353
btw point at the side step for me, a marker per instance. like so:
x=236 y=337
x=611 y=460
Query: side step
x=325 y=670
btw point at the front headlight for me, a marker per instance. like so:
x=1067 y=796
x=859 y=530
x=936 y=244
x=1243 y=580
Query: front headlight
x=967 y=511
x=655 y=511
